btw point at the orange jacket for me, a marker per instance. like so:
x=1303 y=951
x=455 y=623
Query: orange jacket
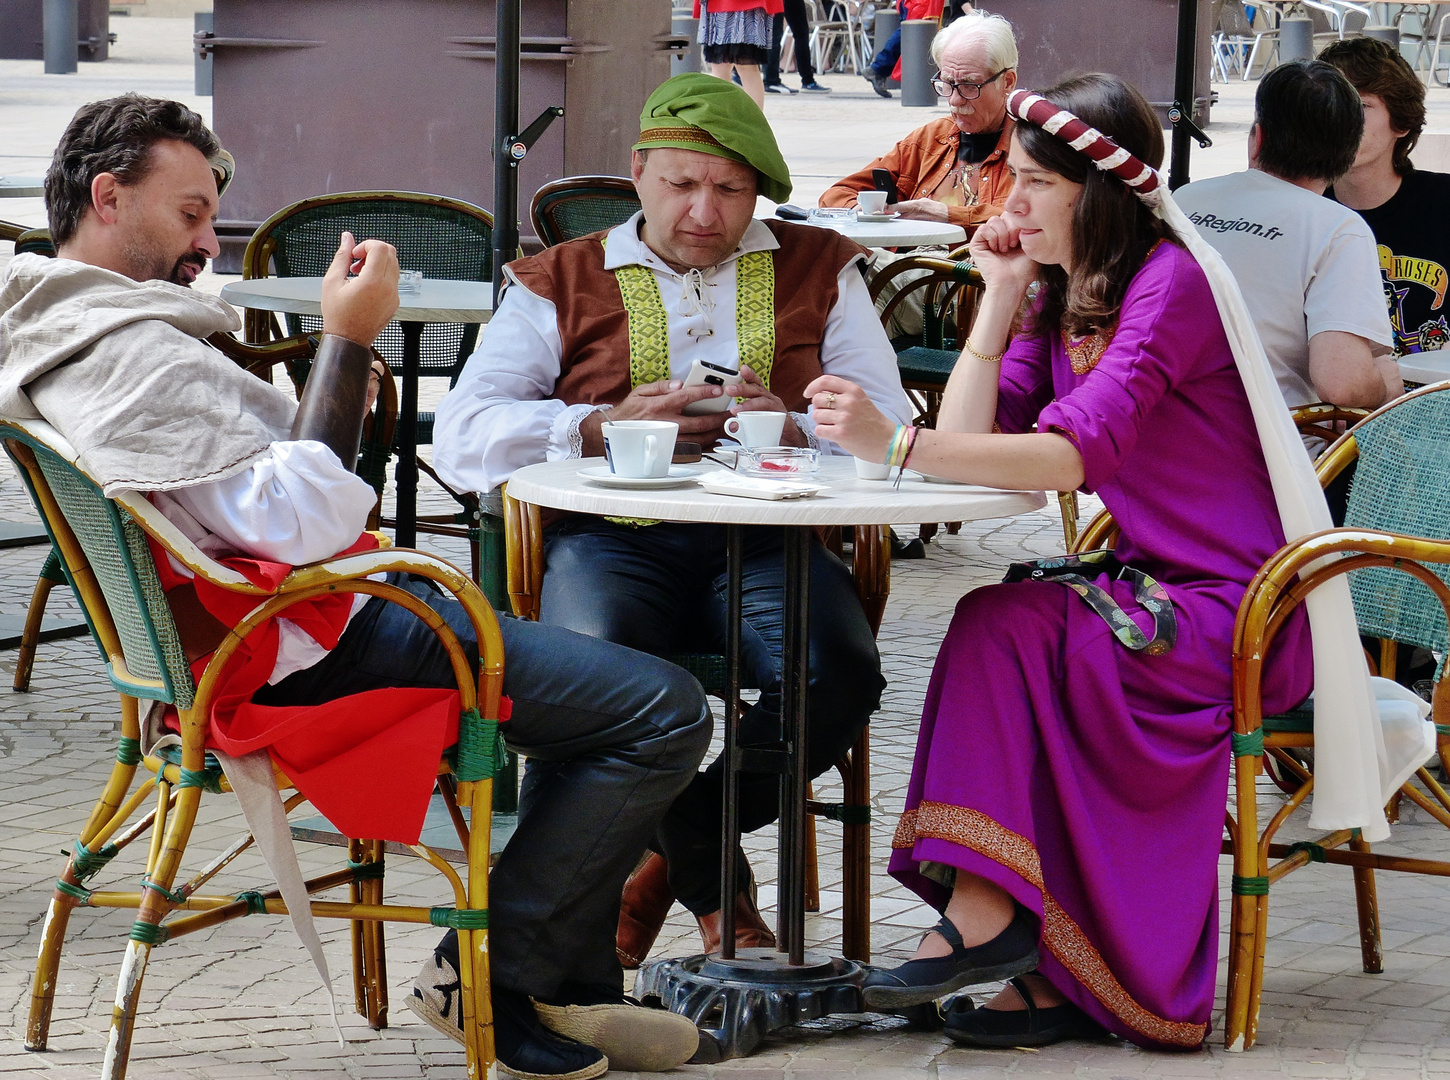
x=920 y=162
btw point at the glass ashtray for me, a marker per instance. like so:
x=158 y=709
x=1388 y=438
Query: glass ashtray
x=827 y=215
x=778 y=462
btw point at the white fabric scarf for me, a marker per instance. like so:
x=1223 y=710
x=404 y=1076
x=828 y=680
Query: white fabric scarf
x=1355 y=772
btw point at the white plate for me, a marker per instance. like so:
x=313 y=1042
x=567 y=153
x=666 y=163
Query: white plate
x=600 y=474
x=877 y=217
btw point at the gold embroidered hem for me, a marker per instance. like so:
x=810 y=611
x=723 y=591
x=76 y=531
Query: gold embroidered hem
x=1085 y=353
x=682 y=134
x=1064 y=938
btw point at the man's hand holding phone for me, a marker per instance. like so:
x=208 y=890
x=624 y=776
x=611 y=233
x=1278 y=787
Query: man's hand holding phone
x=660 y=401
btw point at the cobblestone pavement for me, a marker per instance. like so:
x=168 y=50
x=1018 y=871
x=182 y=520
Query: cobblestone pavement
x=241 y=1001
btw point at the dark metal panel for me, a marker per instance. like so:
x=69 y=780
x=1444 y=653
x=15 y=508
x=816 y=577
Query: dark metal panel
x=1132 y=38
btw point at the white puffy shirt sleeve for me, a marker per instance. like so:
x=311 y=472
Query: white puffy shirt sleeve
x=501 y=416
x=855 y=347
x=295 y=505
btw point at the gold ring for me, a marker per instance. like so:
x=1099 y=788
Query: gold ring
x=830 y=400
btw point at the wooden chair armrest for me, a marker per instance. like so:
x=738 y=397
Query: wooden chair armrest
x=524 y=555
x=1100 y=532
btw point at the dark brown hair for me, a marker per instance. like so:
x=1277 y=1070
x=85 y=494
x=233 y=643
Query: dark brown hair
x=1112 y=229
x=113 y=136
x=1311 y=121
x=1374 y=67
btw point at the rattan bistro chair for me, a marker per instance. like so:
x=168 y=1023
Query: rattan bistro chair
x=1395 y=547
x=871 y=570
x=579 y=205
x=103 y=544
x=442 y=237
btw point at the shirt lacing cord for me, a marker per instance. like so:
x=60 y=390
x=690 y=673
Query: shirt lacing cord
x=694 y=300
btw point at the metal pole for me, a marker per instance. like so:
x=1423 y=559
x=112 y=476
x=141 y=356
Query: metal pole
x=730 y=828
x=505 y=127
x=795 y=677
x=1185 y=76
x=62 y=30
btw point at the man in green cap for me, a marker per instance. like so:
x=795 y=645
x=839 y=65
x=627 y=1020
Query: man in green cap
x=607 y=327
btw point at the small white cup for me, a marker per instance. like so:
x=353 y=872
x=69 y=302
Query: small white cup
x=639 y=448
x=872 y=470
x=871 y=202
x=756 y=427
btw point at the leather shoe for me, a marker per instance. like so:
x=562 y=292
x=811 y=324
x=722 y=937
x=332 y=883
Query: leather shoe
x=751 y=931
x=1032 y=1026
x=1012 y=952
x=642 y=909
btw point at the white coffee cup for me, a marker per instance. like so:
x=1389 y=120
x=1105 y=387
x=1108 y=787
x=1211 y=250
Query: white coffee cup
x=639 y=448
x=872 y=470
x=871 y=202
x=756 y=427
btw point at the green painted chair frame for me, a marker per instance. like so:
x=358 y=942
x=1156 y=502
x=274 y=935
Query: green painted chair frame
x=871 y=572
x=103 y=545
x=1395 y=547
x=579 y=205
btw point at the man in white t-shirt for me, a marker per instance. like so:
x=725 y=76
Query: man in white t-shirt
x=1307 y=266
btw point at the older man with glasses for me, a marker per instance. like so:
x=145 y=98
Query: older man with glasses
x=954 y=168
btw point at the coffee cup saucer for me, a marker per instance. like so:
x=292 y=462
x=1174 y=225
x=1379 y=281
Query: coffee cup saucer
x=679 y=476
x=863 y=216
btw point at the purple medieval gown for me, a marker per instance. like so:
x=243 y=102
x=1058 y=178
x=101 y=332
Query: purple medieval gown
x=1088 y=780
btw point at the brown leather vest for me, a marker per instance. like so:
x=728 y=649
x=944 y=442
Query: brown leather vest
x=594 y=330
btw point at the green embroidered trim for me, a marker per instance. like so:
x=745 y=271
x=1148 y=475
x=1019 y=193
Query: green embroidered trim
x=467 y=919
x=1250 y=745
x=755 y=312
x=649 y=333
x=1249 y=886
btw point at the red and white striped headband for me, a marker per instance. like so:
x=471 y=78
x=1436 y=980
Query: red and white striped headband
x=1105 y=154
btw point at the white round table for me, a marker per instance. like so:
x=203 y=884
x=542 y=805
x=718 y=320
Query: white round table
x=902 y=232
x=22 y=187
x=439 y=301
x=847 y=500
x=1426 y=367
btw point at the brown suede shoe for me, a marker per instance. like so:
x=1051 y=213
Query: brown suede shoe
x=642 y=909
x=751 y=931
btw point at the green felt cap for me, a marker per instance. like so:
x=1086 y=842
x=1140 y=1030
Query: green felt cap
x=699 y=112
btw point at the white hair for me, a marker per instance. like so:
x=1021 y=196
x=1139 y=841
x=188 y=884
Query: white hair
x=993 y=31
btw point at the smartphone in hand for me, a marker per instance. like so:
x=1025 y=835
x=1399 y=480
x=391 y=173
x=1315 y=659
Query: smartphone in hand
x=881 y=180
x=706 y=374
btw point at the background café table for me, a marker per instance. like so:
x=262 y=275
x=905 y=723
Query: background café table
x=898 y=232
x=746 y=993
x=438 y=301
x=22 y=187
x=1425 y=367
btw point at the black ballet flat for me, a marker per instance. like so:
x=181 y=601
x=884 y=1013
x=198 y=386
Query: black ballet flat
x=1031 y=1026
x=1012 y=952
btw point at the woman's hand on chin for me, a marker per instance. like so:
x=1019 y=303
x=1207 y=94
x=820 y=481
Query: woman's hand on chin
x=845 y=415
x=998 y=256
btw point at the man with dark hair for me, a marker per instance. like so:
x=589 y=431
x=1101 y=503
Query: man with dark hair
x=1307 y=266
x=1404 y=206
x=106 y=344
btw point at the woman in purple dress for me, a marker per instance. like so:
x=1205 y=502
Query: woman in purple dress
x=1067 y=800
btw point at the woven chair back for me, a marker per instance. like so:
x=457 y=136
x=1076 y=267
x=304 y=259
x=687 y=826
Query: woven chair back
x=579 y=205
x=152 y=662
x=1402 y=485
x=444 y=238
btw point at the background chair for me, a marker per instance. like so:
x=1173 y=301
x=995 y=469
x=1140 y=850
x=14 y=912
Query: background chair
x=579 y=205
x=11 y=231
x=1395 y=547
x=103 y=544
x=1237 y=42
x=871 y=570
x=444 y=238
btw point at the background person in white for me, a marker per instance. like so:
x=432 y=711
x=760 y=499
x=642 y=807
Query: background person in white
x=1307 y=266
x=550 y=368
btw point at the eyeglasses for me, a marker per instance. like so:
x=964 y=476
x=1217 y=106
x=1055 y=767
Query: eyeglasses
x=969 y=90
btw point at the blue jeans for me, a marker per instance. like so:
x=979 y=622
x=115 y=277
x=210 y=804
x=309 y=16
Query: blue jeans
x=885 y=62
x=603 y=728
x=661 y=589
